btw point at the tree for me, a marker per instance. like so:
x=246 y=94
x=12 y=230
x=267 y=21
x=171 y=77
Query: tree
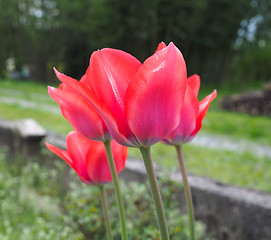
x=63 y=33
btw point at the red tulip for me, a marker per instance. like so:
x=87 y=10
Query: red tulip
x=80 y=113
x=88 y=157
x=192 y=113
x=140 y=103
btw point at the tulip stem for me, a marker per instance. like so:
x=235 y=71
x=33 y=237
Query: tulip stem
x=113 y=170
x=105 y=212
x=187 y=191
x=160 y=213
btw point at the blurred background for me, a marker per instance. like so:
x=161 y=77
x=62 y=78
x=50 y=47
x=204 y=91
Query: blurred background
x=225 y=42
x=228 y=43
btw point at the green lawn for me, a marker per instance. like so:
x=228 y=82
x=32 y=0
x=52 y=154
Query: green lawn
x=231 y=167
x=238 y=126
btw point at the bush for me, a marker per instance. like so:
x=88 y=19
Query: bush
x=83 y=206
x=33 y=206
x=28 y=212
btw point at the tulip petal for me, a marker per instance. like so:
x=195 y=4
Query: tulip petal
x=77 y=147
x=81 y=115
x=121 y=133
x=154 y=98
x=194 y=83
x=73 y=85
x=108 y=76
x=161 y=46
x=97 y=164
x=84 y=79
x=120 y=155
x=66 y=157
x=189 y=113
x=109 y=73
x=61 y=153
x=203 y=108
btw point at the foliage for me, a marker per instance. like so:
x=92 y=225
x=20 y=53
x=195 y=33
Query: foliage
x=34 y=206
x=61 y=33
x=253 y=63
x=141 y=221
x=28 y=211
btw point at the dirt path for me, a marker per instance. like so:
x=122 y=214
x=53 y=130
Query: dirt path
x=227 y=143
x=30 y=104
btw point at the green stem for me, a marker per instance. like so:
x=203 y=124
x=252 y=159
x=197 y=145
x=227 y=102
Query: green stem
x=146 y=154
x=114 y=175
x=187 y=191
x=105 y=211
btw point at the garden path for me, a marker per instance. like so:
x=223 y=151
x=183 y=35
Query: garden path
x=227 y=143
x=29 y=104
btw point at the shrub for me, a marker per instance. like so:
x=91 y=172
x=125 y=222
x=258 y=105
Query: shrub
x=33 y=206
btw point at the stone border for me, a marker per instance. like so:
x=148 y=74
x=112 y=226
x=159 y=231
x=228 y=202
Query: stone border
x=230 y=212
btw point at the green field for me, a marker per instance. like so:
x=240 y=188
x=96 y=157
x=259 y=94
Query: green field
x=239 y=168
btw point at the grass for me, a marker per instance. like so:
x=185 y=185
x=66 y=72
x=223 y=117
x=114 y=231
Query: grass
x=26 y=86
x=34 y=92
x=50 y=121
x=242 y=169
x=238 y=126
x=231 y=167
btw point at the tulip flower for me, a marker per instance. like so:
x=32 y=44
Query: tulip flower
x=84 y=118
x=192 y=115
x=88 y=158
x=139 y=103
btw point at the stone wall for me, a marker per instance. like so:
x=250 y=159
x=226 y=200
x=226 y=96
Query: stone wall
x=253 y=102
x=230 y=212
x=22 y=137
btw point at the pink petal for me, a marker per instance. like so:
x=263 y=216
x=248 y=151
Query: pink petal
x=120 y=155
x=117 y=127
x=84 y=79
x=73 y=85
x=189 y=113
x=97 y=164
x=61 y=153
x=161 y=46
x=154 y=98
x=77 y=147
x=194 y=83
x=108 y=76
x=81 y=115
x=203 y=108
